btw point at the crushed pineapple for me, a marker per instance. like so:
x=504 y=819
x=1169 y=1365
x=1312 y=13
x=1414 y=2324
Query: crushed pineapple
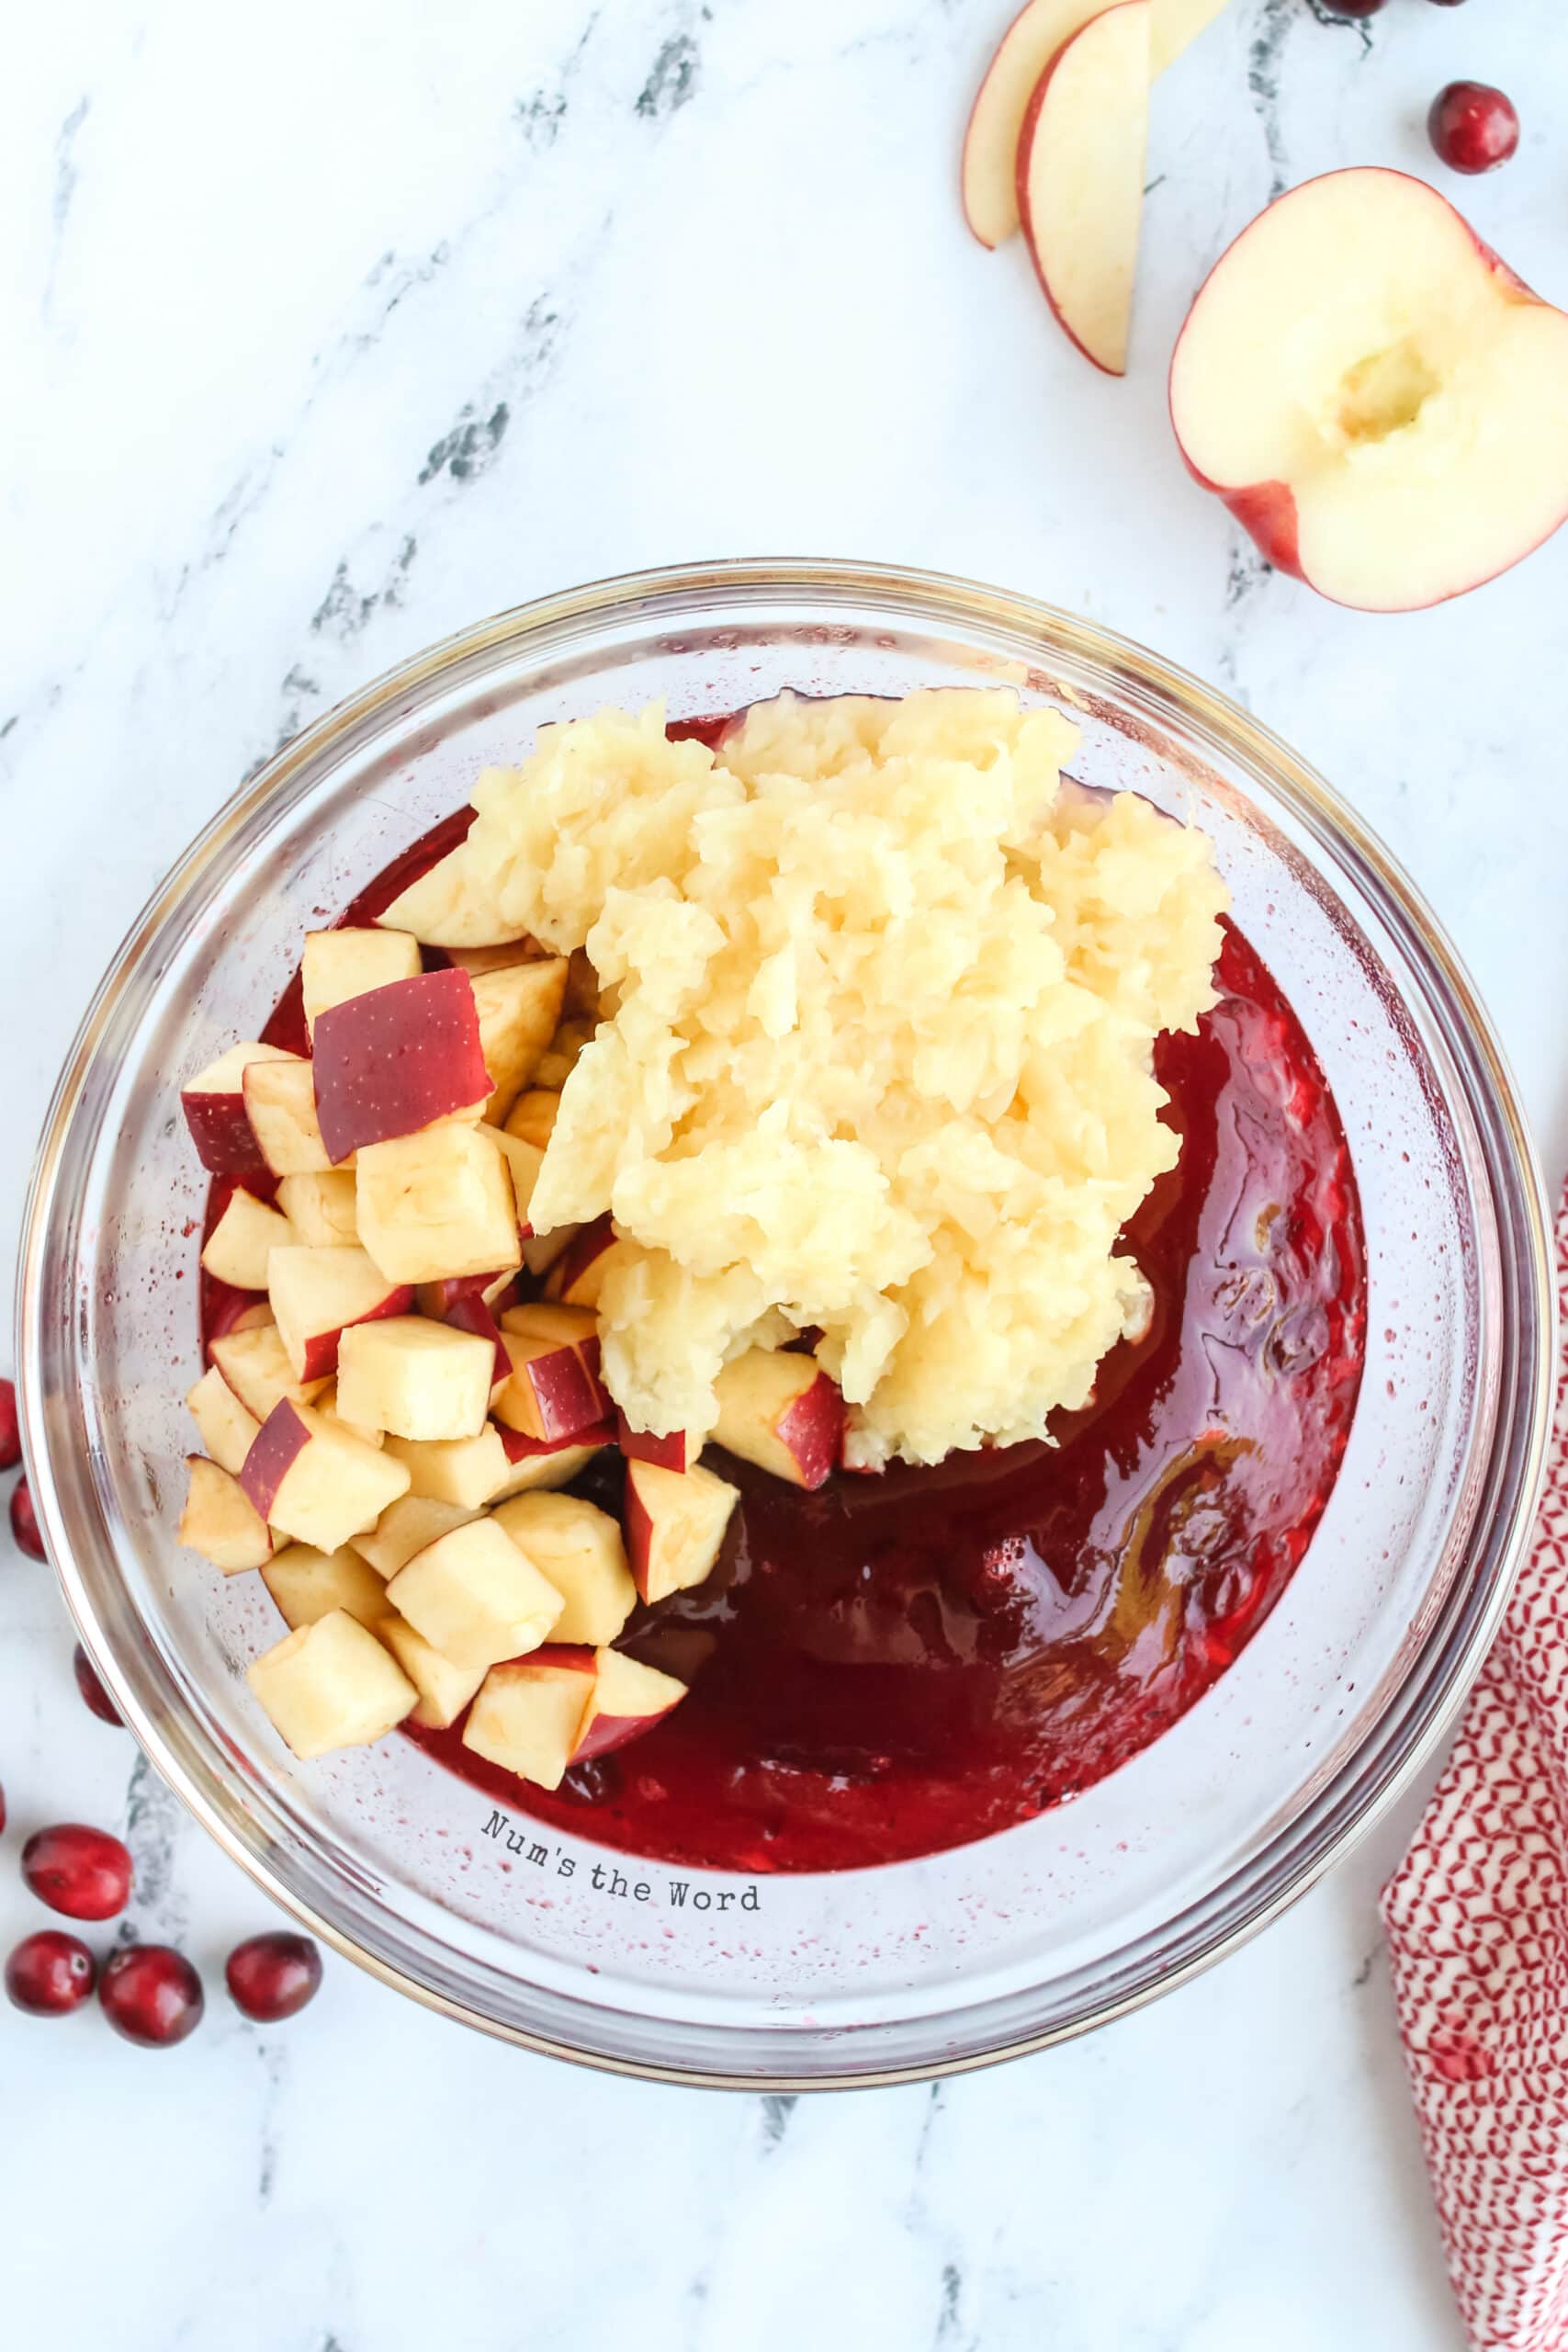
x=879 y=1053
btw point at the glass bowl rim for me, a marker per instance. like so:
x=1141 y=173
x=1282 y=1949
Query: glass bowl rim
x=1383 y=1767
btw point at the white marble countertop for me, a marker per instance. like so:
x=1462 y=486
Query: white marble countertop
x=326 y=331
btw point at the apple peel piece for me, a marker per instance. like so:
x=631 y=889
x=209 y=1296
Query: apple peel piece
x=1080 y=179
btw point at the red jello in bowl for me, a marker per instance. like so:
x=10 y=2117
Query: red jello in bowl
x=973 y=1755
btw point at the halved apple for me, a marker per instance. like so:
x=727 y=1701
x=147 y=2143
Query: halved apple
x=475 y=1597
x=280 y=1103
x=414 y=1378
x=220 y=1521
x=348 y=963
x=317 y=1293
x=237 y=1249
x=577 y=1548
x=310 y=1478
x=1080 y=178
x=331 y=1684
x=438 y=1205
x=396 y=1059
x=1374 y=395
x=675 y=1526
x=780 y=1412
x=307 y=1584
x=214 y=1105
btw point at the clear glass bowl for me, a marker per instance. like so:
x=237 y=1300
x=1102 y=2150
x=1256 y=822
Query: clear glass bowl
x=867 y=1976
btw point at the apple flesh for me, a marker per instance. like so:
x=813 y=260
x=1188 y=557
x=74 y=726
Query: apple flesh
x=532 y=1118
x=404 y=1528
x=253 y=1363
x=530 y=1713
x=578 y=1275
x=347 y=963
x=307 y=1584
x=554 y=1392
x=519 y=1007
x=474 y=1596
x=214 y=1105
x=780 y=1412
x=396 y=1059
x=237 y=1249
x=320 y=1206
x=577 y=1549
x=312 y=1479
x=331 y=1684
x=444 y=1687
x=436 y=1206
x=415 y=1378
x=1080 y=178
x=224 y=1427
x=1375 y=396
x=628 y=1700
x=558 y=1062
x=452 y=905
x=220 y=1521
x=466 y=1471
x=675 y=1526
x=280 y=1103
x=533 y=1465
x=316 y=1294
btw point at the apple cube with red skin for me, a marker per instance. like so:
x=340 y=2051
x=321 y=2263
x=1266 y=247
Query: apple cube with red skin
x=782 y=1412
x=577 y=1548
x=396 y=1059
x=214 y=1105
x=471 y=1315
x=220 y=1521
x=532 y=1464
x=415 y=1378
x=1374 y=395
x=438 y=1205
x=254 y=1363
x=475 y=1597
x=280 y=1103
x=530 y=1713
x=331 y=1684
x=578 y=1275
x=316 y=1294
x=307 y=1584
x=404 y=1528
x=628 y=1700
x=347 y=963
x=444 y=1687
x=224 y=1427
x=518 y=1007
x=437 y=1299
x=552 y=1395
x=320 y=1205
x=315 y=1481
x=237 y=1249
x=672 y=1453
x=675 y=1525
x=232 y=1311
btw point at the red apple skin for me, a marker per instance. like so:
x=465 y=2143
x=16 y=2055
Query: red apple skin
x=224 y=1139
x=671 y=1452
x=607 y=1732
x=277 y=1446
x=518 y=1446
x=321 y=1347
x=813 y=1430
x=577 y=1257
x=438 y=1299
x=389 y=1062
x=637 y=1530
x=470 y=1314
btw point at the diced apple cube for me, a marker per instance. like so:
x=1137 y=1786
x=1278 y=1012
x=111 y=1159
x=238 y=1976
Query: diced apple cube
x=219 y=1522
x=348 y=963
x=280 y=1103
x=523 y=1161
x=554 y=1393
x=675 y=1526
x=232 y=1311
x=530 y=1711
x=226 y=1430
x=331 y=1685
x=474 y=1596
x=471 y=1315
x=533 y=1465
x=313 y=1481
x=214 y=1105
x=464 y=1470
x=394 y=1060
x=320 y=1206
x=307 y=1584
x=438 y=1205
x=330 y=1410
x=545 y=1319
x=672 y=1453
x=451 y=906
x=237 y=1248
x=578 y=1549
x=445 y=1689
x=438 y=1299
x=415 y=1378
x=518 y=1007
x=404 y=1528
x=532 y=1118
x=578 y=1275
x=254 y=1363
x=628 y=1700
x=780 y=1412
x=318 y=1293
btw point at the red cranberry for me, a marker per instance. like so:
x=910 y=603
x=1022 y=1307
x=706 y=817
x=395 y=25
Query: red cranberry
x=84 y=1872
x=94 y=1695
x=152 y=1994
x=273 y=1977
x=10 y=1427
x=1474 y=127
x=50 y=1973
x=1356 y=7
x=24 y=1521
x=2 y=1811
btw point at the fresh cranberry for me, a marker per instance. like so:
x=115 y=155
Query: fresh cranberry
x=50 y=1973
x=10 y=1427
x=1474 y=127
x=24 y=1521
x=2 y=1811
x=1356 y=7
x=84 y=1872
x=273 y=1977
x=94 y=1695
x=152 y=1994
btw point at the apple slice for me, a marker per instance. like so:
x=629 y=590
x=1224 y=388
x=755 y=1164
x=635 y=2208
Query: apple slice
x=237 y=1249
x=318 y=1293
x=280 y=1103
x=675 y=1525
x=404 y=1528
x=530 y=1713
x=532 y=1118
x=220 y=1520
x=437 y=1206
x=519 y=1008
x=578 y=1275
x=466 y=1470
x=452 y=905
x=1175 y=26
x=254 y=1363
x=675 y=1452
x=339 y=965
x=396 y=1059
x=415 y=1378
x=1080 y=178
x=320 y=1206
x=307 y=1584
x=475 y=1597
x=532 y=1464
x=214 y=1105
x=577 y=1549
x=555 y=1392
x=224 y=1427
x=312 y=1480
x=780 y=1412
x=1374 y=395
x=628 y=1700
x=445 y=1689
x=331 y=1684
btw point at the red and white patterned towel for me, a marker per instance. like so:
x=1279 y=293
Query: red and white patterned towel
x=1477 y=1918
